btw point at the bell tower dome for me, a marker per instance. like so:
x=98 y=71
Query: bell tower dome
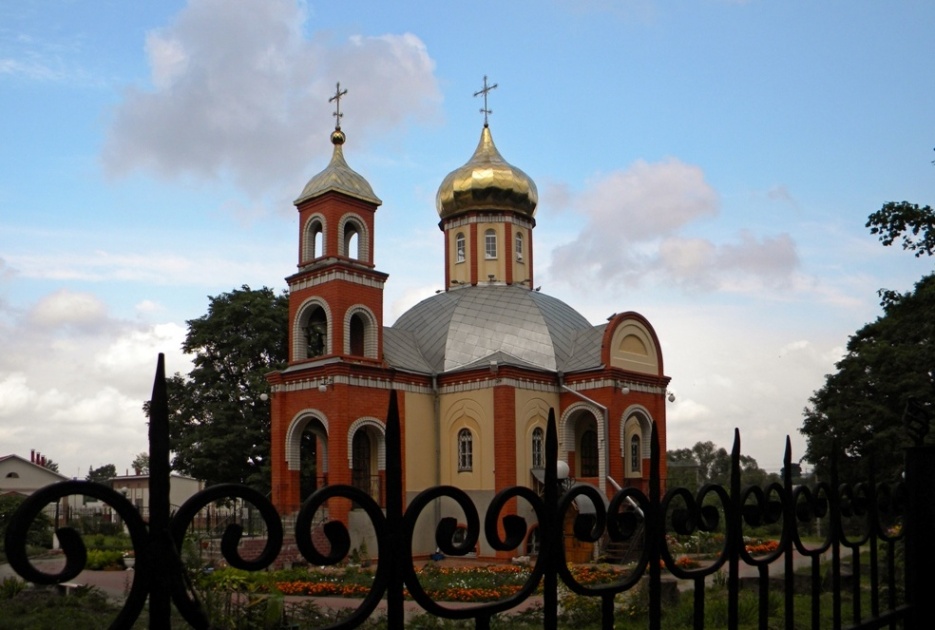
x=486 y=209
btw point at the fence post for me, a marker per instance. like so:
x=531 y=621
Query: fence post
x=159 y=595
x=920 y=544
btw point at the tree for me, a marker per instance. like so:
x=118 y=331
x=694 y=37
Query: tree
x=219 y=425
x=706 y=463
x=889 y=365
x=914 y=225
x=141 y=463
x=102 y=473
x=860 y=407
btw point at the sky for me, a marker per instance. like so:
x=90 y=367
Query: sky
x=709 y=164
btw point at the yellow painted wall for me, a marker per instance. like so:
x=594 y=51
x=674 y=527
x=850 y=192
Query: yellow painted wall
x=532 y=410
x=420 y=436
x=460 y=271
x=520 y=267
x=472 y=410
x=632 y=348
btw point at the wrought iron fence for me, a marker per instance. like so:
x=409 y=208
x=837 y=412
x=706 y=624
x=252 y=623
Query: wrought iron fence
x=874 y=518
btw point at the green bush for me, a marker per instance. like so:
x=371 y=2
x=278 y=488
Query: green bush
x=40 y=532
x=44 y=609
x=104 y=560
x=10 y=587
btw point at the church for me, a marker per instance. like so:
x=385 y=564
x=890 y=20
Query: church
x=477 y=366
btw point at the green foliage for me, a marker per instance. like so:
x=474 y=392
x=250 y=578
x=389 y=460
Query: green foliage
x=907 y=221
x=141 y=463
x=706 y=463
x=40 y=532
x=95 y=524
x=104 y=560
x=44 y=609
x=10 y=587
x=108 y=542
x=101 y=474
x=219 y=425
x=578 y=610
x=860 y=407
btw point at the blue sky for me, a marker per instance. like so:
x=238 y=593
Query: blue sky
x=709 y=164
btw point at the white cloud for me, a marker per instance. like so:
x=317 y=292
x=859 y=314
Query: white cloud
x=244 y=94
x=15 y=394
x=148 y=306
x=634 y=233
x=69 y=309
x=59 y=394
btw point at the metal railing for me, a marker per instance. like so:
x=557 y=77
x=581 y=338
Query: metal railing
x=877 y=519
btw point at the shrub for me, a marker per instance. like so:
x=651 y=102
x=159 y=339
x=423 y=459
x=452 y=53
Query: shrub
x=40 y=532
x=10 y=586
x=104 y=560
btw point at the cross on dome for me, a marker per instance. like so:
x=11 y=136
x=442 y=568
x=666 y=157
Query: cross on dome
x=486 y=89
x=337 y=103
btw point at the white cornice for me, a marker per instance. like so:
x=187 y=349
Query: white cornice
x=297 y=284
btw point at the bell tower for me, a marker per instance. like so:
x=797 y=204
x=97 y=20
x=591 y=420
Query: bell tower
x=336 y=296
x=335 y=338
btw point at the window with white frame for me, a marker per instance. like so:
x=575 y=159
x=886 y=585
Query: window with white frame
x=519 y=246
x=490 y=243
x=465 y=451
x=459 y=247
x=537 y=451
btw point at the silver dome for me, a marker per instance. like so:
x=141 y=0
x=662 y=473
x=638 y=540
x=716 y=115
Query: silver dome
x=471 y=326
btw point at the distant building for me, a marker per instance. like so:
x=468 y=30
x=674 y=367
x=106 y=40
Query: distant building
x=20 y=476
x=136 y=489
x=477 y=366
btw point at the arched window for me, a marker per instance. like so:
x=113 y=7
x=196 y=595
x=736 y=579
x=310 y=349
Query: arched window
x=351 y=240
x=589 y=453
x=459 y=247
x=357 y=335
x=490 y=243
x=361 y=459
x=316 y=333
x=465 y=451
x=519 y=246
x=12 y=475
x=636 y=464
x=537 y=454
x=314 y=241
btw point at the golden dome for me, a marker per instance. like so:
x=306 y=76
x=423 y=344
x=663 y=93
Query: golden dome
x=338 y=177
x=486 y=182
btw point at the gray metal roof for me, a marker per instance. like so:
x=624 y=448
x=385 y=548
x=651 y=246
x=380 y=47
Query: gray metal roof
x=471 y=326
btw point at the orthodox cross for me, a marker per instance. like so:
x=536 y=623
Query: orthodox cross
x=337 y=98
x=485 y=91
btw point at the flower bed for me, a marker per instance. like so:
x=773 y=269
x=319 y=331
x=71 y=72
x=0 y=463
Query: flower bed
x=441 y=583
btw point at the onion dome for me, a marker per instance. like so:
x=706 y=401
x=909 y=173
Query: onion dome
x=338 y=177
x=486 y=182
